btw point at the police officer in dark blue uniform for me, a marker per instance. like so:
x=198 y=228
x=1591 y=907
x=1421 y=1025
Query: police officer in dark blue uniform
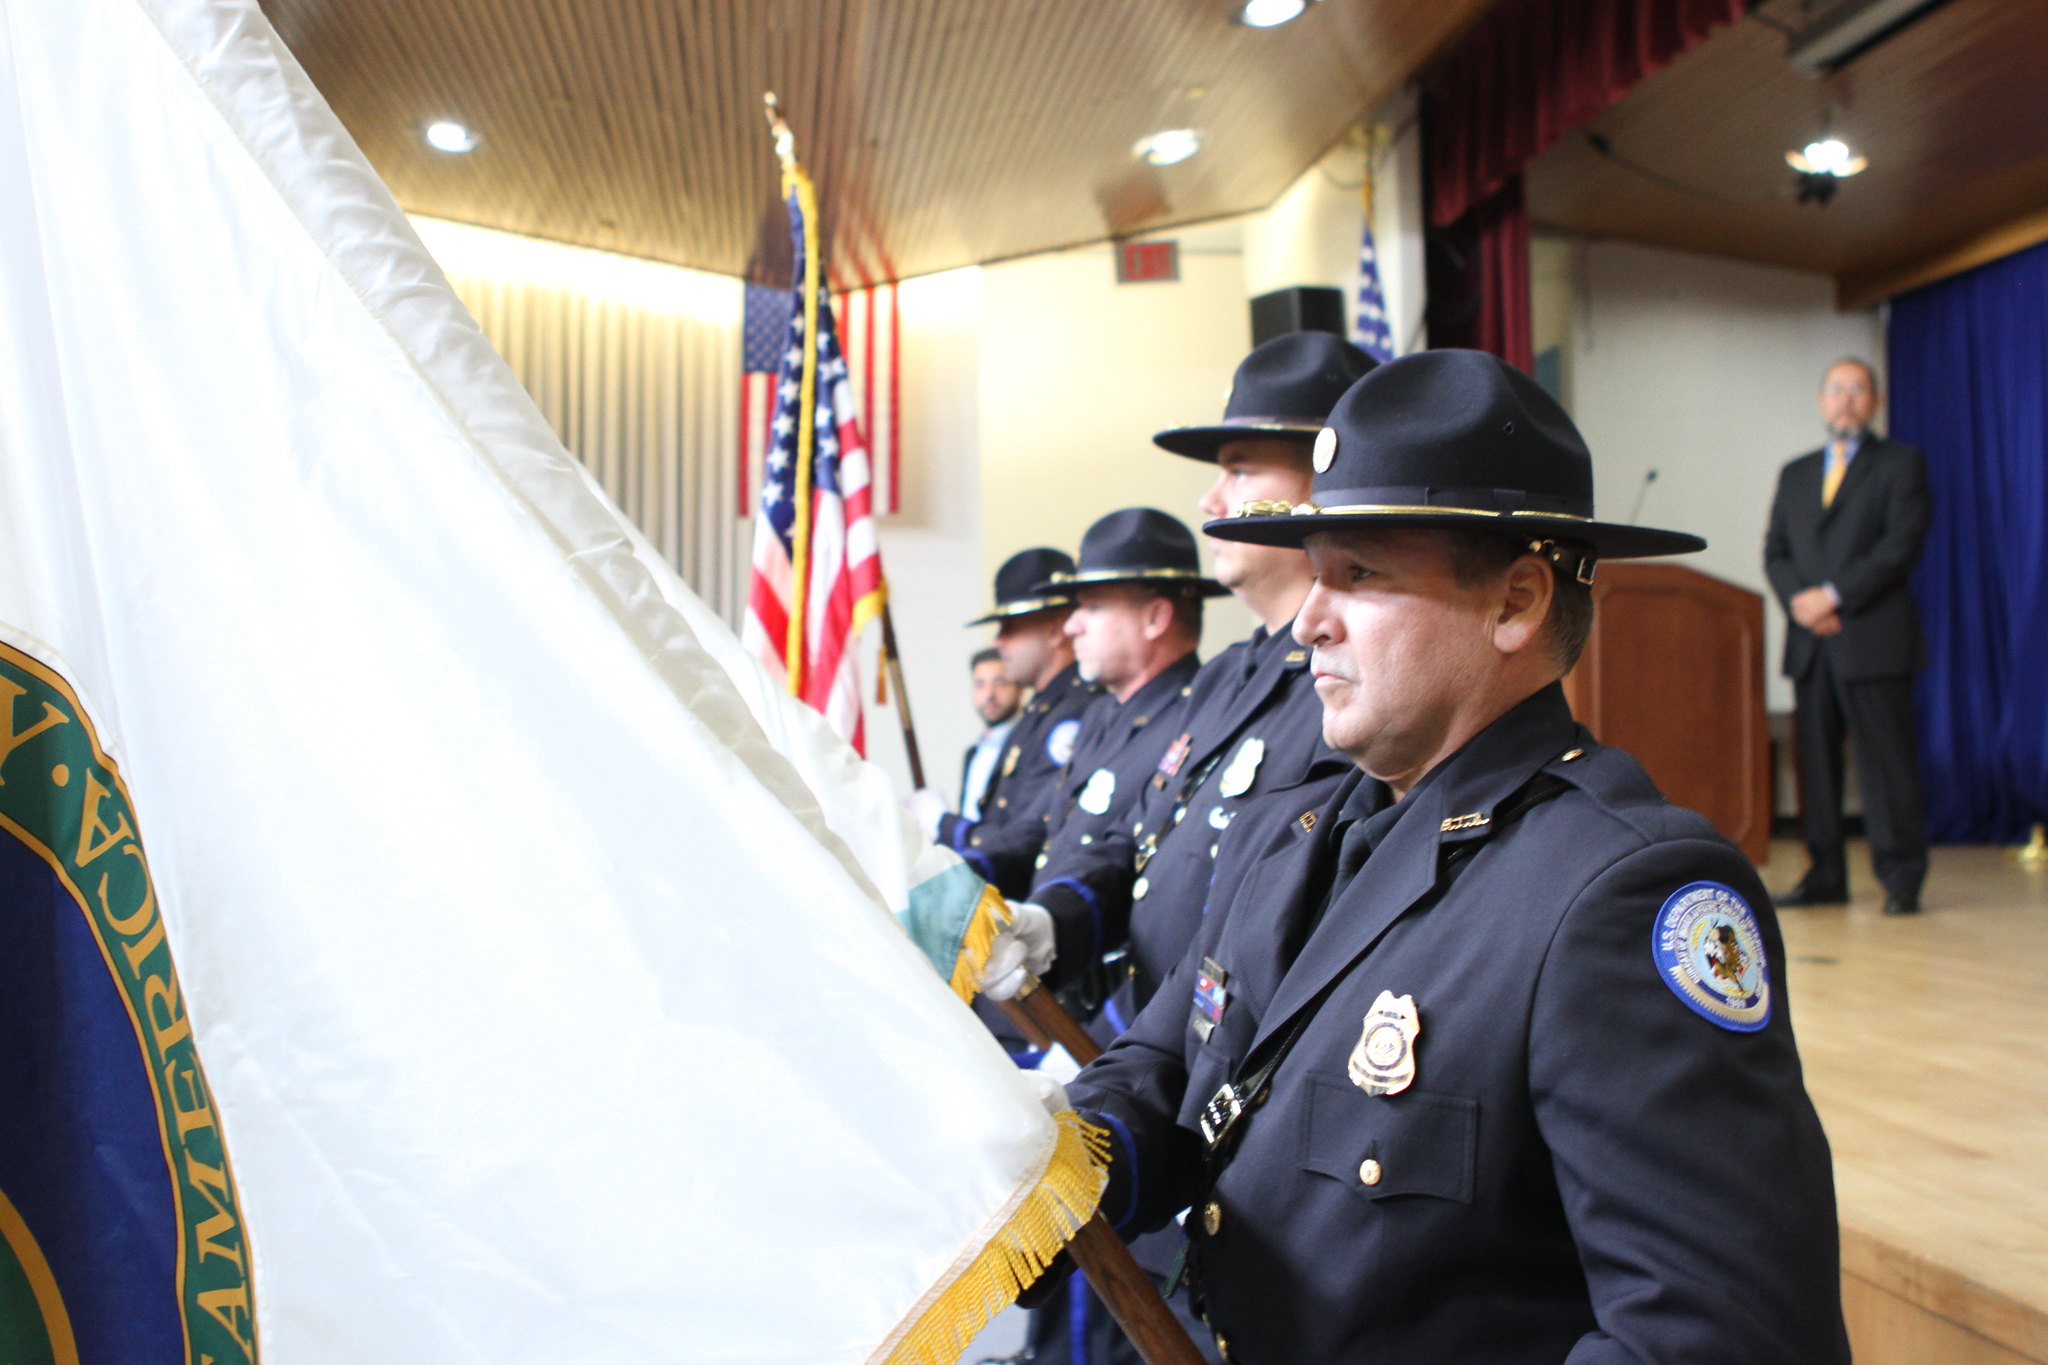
x=1031 y=636
x=1487 y=1056
x=1252 y=722
x=1138 y=617
x=1137 y=620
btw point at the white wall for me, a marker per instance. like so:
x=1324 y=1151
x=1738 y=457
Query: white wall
x=1078 y=372
x=1706 y=370
x=1033 y=387
x=1311 y=234
x=932 y=548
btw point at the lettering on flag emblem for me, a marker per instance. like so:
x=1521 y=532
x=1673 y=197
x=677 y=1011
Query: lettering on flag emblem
x=1709 y=949
x=118 y=1211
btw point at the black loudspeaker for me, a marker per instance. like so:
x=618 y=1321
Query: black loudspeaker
x=1304 y=308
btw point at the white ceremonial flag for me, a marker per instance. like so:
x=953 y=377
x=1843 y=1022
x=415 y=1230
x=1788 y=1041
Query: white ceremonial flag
x=412 y=948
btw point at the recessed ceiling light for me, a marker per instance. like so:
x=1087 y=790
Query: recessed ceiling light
x=1270 y=13
x=1168 y=147
x=1826 y=156
x=451 y=137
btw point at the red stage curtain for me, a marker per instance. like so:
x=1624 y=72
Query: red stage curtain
x=1479 y=279
x=1532 y=71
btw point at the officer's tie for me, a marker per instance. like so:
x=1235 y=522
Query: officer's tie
x=1366 y=817
x=1838 y=465
x=1353 y=850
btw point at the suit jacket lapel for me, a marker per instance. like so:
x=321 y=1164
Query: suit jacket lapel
x=1264 y=933
x=1264 y=680
x=1867 y=464
x=1857 y=474
x=1405 y=867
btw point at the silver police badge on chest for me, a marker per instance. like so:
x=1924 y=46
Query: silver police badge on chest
x=1383 y=1063
x=1244 y=766
x=1096 y=796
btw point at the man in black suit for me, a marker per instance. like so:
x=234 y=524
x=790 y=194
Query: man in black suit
x=1846 y=529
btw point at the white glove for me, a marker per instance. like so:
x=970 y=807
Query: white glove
x=1051 y=1093
x=926 y=806
x=1058 y=1064
x=1022 y=948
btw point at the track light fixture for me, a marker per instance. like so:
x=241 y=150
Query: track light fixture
x=1822 y=165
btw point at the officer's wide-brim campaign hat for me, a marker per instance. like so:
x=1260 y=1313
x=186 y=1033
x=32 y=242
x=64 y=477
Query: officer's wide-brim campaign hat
x=1138 y=545
x=1019 y=583
x=1452 y=438
x=1285 y=388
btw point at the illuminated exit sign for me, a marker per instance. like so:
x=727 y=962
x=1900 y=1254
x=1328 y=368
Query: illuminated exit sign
x=1147 y=262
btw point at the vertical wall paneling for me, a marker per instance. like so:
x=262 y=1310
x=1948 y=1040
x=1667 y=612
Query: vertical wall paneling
x=636 y=367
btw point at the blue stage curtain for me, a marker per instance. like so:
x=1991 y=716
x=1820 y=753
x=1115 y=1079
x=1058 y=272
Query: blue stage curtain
x=1969 y=381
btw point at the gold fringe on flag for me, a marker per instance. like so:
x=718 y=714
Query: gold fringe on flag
x=991 y=914
x=1043 y=1220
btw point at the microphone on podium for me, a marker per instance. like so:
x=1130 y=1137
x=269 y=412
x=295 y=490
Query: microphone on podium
x=1649 y=477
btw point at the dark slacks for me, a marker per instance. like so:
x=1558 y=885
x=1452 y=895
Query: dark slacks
x=1877 y=715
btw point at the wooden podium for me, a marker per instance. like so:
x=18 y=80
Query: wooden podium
x=1674 y=673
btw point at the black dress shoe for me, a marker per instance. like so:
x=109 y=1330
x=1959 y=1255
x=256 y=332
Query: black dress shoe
x=1899 y=905
x=1807 y=893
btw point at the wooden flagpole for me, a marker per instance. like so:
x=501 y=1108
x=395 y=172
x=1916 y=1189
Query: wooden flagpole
x=892 y=667
x=1037 y=1009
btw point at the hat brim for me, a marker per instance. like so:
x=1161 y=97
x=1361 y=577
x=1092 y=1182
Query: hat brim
x=1201 y=443
x=1043 y=602
x=1151 y=578
x=1608 y=540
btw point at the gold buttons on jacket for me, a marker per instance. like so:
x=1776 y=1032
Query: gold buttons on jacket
x=1369 y=1171
x=1139 y=888
x=1212 y=1217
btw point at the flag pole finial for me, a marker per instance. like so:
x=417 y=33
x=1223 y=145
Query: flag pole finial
x=785 y=140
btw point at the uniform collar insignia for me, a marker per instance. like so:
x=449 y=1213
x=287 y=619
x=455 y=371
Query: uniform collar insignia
x=1497 y=761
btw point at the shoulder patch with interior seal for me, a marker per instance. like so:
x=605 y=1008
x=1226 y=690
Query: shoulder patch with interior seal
x=1709 y=949
x=1059 y=743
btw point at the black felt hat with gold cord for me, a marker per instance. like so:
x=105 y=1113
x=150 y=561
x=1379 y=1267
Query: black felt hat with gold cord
x=1020 y=581
x=1285 y=387
x=1454 y=438
x=1138 y=545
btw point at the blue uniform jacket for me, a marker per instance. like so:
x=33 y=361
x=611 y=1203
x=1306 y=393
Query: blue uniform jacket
x=1584 y=1166
x=1253 y=726
x=1003 y=845
x=1118 y=751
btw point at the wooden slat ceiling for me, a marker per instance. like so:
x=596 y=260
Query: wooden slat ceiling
x=939 y=132
x=1952 y=112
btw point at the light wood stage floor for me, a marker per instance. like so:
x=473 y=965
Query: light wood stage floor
x=1926 y=1049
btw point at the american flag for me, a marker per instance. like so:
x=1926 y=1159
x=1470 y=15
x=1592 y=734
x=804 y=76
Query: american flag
x=870 y=321
x=764 y=335
x=1369 y=327
x=817 y=576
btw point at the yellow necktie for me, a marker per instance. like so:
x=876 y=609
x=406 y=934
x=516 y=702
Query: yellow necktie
x=1838 y=465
